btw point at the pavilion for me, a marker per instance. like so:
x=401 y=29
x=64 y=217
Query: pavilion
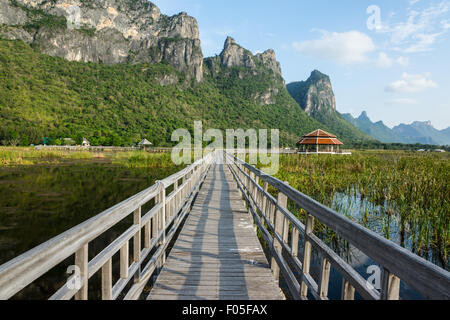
x=144 y=144
x=319 y=142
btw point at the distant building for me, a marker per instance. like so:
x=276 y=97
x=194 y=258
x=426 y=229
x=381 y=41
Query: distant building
x=439 y=150
x=86 y=143
x=145 y=144
x=318 y=142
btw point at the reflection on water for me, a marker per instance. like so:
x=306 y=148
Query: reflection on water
x=384 y=220
x=41 y=201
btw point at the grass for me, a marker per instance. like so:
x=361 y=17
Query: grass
x=12 y=156
x=24 y=156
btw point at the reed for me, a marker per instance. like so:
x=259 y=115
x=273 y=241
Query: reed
x=403 y=196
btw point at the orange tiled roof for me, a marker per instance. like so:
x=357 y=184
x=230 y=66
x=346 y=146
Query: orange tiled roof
x=320 y=137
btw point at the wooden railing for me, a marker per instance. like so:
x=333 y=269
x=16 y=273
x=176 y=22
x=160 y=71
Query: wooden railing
x=158 y=225
x=281 y=230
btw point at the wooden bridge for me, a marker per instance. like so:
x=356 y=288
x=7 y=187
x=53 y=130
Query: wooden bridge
x=202 y=241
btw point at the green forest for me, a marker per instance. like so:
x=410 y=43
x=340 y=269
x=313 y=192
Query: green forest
x=52 y=98
x=43 y=96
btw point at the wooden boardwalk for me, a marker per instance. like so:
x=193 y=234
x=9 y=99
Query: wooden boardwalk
x=217 y=255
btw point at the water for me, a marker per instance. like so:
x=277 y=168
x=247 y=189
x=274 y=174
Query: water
x=382 y=219
x=41 y=201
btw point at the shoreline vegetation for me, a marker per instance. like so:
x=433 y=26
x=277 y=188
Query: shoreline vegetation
x=28 y=156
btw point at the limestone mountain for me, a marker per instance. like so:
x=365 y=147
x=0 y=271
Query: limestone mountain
x=377 y=130
x=422 y=132
x=108 y=31
x=236 y=60
x=316 y=97
x=417 y=132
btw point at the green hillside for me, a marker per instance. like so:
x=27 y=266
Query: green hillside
x=43 y=96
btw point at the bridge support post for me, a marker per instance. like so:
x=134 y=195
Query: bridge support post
x=81 y=261
x=137 y=244
x=279 y=223
x=163 y=222
x=390 y=286
x=306 y=254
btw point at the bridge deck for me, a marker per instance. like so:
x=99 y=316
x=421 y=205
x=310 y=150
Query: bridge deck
x=217 y=255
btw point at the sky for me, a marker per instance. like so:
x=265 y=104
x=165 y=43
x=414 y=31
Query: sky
x=389 y=58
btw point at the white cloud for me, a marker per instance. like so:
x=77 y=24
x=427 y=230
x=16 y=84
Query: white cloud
x=421 y=29
x=403 y=101
x=412 y=83
x=344 y=48
x=403 y=61
x=445 y=24
x=423 y=43
x=384 y=61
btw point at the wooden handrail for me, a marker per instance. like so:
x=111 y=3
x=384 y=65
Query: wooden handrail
x=167 y=213
x=397 y=262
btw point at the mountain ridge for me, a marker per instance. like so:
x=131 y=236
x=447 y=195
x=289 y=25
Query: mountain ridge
x=417 y=132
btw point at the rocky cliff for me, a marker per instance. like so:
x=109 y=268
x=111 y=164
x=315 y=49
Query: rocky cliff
x=233 y=55
x=108 y=31
x=314 y=95
x=234 y=60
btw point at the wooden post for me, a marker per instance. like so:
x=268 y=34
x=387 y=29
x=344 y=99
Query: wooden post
x=271 y=213
x=294 y=241
x=348 y=291
x=147 y=235
x=137 y=242
x=163 y=222
x=265 y=199
x=279 y=223
x=107 y=280
x=81 y=261
x=285 y=235
x=390 y=286
x=176 y=199
x=324 y=278
x=124 y=261
x=307 y=253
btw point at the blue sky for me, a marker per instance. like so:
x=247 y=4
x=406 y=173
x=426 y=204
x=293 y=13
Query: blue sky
x=390 y=58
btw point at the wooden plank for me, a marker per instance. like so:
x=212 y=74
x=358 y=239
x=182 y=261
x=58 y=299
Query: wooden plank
x=217 y=253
